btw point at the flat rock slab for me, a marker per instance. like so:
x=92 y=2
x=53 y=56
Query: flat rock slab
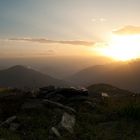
x=56 y=104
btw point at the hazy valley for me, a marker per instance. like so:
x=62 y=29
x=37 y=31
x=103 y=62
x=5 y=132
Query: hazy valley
x=120 y=74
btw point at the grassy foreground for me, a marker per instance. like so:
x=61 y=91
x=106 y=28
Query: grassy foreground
x=110 y=119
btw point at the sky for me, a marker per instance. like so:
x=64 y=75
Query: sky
x=42 y=28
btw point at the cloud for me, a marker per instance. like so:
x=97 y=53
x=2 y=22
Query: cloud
x=103 y=19
x=98 y=19
x=43 y=40
x=128 y=30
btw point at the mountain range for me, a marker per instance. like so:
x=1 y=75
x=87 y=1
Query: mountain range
x=124 y=75
x=21 y=76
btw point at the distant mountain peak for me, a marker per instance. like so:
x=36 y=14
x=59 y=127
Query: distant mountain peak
x=25 y=76
x=18 y=67
x=123 y=75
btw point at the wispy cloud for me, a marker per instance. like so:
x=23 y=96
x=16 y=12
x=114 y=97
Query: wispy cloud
x=99 y=19
x=44 y=40
x=128 y=30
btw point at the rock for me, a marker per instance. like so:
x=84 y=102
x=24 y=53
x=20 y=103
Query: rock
x=64 y=127
x=55 y=104
x=32 y=104
x=8 y=121
x=79 y=99
x=14 y=126
x=44 y=91
x=104 y=95
x=55 y=97
x=55 y=132
x=71 y=92
x=68 y=122
x=50 y=95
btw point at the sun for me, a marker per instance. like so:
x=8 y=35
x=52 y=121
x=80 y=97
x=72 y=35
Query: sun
x=122 y=47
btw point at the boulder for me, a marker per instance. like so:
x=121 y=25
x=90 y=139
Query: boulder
x=68 y=122
x=64 y=127
x=56 y=104
x=44 y=91
x=79 y=99
x=55 y=132
x=104 y=95
x=55 y=97
x=71 y=92
x=8 y=121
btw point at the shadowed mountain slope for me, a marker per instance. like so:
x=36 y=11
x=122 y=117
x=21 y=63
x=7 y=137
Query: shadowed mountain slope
x=122 y=75
x=20 y=76
x=98 y=89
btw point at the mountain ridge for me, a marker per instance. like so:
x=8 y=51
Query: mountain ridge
x=123 y=75
x=21 y=76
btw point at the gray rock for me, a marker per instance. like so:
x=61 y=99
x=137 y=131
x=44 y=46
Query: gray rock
x=65 y=126
x=71 y=92
x=55 y=104
x=55 y=132
x=46 y=91
x=68 y=122
x=55 y=97
x=104 y=95
x=79 y=99
x=8 y=121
